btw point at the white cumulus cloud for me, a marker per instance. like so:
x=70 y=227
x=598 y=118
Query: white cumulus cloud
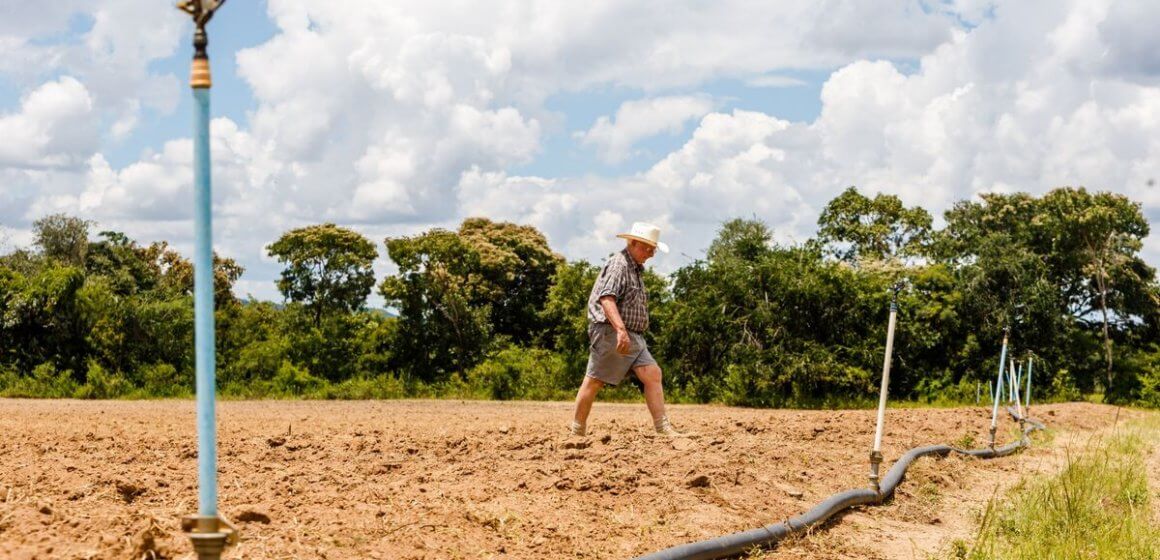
x=641 y=119
x=395 y=117
x=55 y=127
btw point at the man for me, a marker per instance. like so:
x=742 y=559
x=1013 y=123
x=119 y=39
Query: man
x=617 y=320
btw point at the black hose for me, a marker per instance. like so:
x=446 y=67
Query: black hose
x=739 y=543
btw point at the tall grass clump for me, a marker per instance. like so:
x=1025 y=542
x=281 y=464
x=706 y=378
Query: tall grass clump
x=1098 y=507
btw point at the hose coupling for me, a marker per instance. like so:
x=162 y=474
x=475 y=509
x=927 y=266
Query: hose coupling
x=209 y=534
x=875 y=461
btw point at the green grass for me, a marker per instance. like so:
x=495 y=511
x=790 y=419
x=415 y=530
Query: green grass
x=1097 y=507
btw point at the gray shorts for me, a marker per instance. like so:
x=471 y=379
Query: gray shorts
x=608 y=365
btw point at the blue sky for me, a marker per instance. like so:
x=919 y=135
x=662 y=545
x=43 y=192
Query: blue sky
x=245 y=25
x=579 y=119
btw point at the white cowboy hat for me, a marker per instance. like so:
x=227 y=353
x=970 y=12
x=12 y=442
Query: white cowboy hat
x=646 y=233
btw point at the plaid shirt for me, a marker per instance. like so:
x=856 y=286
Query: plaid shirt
x=621 y=279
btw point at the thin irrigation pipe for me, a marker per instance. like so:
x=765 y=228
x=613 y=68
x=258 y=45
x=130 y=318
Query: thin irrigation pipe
x=1011 y=381
x=876 y=451
x=1018 y=399
x=1027 y=395
x=1019 y=377
x=998 y=389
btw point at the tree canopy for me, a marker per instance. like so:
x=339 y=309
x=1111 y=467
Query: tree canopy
x=489 y=310
x=328 y=268
x=856 y=228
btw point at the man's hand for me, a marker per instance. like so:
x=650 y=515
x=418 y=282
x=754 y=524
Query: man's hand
x=623 y=343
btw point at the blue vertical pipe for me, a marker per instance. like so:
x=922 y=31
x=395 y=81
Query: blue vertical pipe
x=1027 y=395
x=999 y=385
x=203 y=309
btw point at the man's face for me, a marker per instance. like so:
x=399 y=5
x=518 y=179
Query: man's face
x=640 y=252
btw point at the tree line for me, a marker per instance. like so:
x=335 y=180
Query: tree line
x=491 y=311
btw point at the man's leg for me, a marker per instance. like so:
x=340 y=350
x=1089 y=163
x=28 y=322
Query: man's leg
x=584 y=398
x=654 y=393
x=654 y=397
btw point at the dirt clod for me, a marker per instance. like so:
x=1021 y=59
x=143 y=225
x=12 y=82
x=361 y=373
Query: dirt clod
x=698 y=481
x=253 y=516
x=129 y=491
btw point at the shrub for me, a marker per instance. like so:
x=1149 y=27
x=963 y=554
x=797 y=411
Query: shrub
x=162 y=380
x=1150 y=388
x=521 y=373
x=360 y=388
x=258 y=361
x=102 y=384
x=45 y=382
x=294 y=380
x=1063 y=386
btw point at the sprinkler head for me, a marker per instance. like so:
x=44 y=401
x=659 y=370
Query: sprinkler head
x=201 y=10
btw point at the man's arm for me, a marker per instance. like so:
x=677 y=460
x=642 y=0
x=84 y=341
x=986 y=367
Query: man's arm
x=608 y=303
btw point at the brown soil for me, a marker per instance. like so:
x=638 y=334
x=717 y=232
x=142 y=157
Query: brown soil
x=441 y=479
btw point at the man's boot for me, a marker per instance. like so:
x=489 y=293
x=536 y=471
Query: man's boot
x=665 y=428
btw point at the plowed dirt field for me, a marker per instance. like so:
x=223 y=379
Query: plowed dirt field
x=451 y=479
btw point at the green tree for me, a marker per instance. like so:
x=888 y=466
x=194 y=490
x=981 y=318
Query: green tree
x=39 y=317
x=995 y=249
x=970 y=221
x=63 y=238
x=515 y=268
x=328 y=268
x=775 y=326
x=443 y=317
x=565 y=312
x=747 y=240
x=857 y=228
x=176 y=276
x=456 y=290
x=124 y=263
x=1096 y=240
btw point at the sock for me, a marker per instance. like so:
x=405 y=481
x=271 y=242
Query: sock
x=661 y=422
